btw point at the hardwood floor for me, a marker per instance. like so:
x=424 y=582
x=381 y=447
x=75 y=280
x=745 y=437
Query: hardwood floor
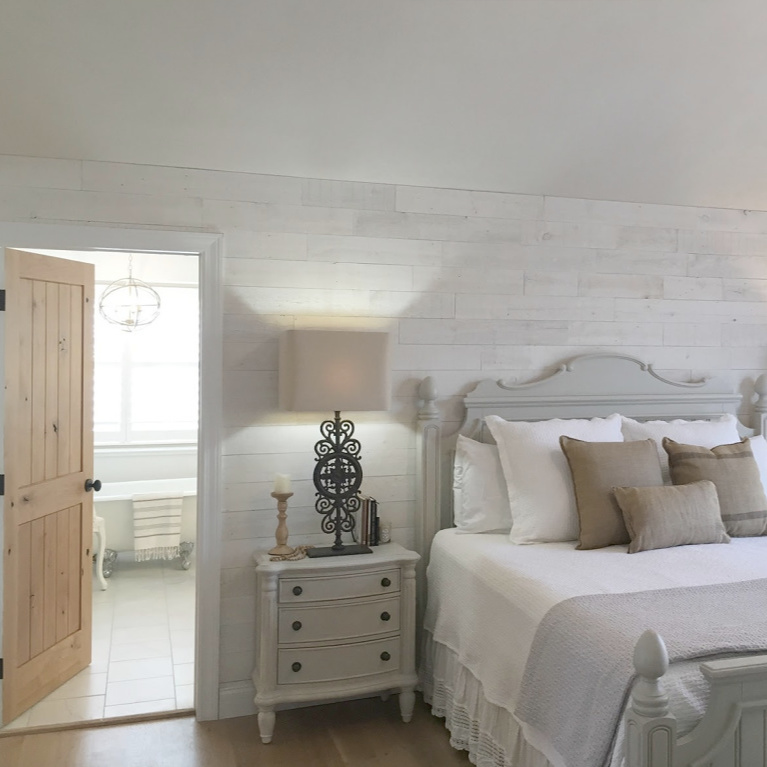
x=364 y=733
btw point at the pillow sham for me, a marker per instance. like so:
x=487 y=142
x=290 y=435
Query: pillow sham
x=733 y=470
x=597 y=467
x=671 y=515
x=717 y=431
x=537 y=478
x=480 y=500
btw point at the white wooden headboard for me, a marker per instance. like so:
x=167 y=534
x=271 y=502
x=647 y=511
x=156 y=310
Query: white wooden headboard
x=583 y=387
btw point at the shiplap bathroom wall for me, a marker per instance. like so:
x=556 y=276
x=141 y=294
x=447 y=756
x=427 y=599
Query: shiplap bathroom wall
x=470 y=284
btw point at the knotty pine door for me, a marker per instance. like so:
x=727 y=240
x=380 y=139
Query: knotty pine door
x=48 y=515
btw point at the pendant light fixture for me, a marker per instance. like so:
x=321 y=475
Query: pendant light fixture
x=129 y=302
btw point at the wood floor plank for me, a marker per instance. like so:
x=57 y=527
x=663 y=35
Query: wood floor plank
x=365 y=733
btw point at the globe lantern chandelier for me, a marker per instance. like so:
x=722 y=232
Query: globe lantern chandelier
x=129 y=303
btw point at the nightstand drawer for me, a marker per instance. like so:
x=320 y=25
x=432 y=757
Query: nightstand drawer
x=342 y=621
x=327 y=664
x=339 y=586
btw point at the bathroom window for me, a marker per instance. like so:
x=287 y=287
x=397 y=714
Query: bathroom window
x=146 y=381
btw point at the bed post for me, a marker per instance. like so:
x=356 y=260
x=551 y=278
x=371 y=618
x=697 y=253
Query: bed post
x=650 y=729
x=760 y=406
x=427 y=469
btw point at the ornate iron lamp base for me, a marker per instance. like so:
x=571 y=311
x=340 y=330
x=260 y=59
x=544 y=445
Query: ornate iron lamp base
x=337 y=479
x=329 y=551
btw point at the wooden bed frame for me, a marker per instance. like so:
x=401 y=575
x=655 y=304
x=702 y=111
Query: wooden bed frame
x=733 y=731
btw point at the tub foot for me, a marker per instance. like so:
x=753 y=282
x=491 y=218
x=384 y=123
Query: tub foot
x=185 y=552
x=110 y=557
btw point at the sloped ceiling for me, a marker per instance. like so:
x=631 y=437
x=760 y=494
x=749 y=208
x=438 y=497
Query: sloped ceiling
x=641 y=100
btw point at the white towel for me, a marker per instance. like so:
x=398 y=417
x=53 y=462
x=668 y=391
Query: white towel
x=156 y=526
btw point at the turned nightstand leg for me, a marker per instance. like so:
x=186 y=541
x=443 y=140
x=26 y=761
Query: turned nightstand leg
x=266 y=717
x=406 y=704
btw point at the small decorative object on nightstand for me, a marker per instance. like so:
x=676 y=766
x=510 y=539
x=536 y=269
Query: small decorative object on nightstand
x=281 y=493
x=335 y=628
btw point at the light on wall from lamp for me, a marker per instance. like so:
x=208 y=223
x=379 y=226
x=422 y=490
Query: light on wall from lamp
x=335 y=370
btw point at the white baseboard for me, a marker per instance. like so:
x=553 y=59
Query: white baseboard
x=236 y=699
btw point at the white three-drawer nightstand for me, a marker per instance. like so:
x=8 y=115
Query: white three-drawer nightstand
x=334 y=628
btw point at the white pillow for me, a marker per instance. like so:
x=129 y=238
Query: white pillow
x=537 y=477
x=758 y=447
x=718 y=431
x=480 y=500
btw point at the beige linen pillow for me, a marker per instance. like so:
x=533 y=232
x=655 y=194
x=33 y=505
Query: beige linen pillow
x=597 y=467
x=679 y=515
x=734 y=472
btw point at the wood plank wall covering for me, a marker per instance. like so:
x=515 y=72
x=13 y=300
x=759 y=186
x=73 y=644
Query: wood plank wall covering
x=471 y=284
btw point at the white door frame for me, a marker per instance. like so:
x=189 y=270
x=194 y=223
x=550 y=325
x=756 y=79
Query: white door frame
x=209 y=248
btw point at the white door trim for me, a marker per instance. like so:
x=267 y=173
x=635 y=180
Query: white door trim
x=210 y=249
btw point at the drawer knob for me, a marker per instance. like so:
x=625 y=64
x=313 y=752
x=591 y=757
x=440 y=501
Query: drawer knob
x=296 y=666
x=297 y=590
x=385 y=616
x=385 y=582
x=296 y=625
x=385 y=655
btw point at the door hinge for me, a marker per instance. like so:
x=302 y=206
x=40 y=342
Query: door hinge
x=1 y=668
x=2 y=300
x=2 y=484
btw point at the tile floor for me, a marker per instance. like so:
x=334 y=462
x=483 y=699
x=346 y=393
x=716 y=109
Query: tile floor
x=143 y=649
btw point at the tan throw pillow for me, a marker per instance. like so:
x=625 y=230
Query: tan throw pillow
x=734 y=472
x=596 y=467
x=679 y=515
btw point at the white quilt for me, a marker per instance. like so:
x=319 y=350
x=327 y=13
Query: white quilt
x=487 y=597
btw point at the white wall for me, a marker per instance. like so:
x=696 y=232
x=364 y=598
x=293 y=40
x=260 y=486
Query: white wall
x=639 y=100
x=470 y=285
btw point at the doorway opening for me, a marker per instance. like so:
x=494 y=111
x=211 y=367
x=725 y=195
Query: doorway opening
x=146 y=408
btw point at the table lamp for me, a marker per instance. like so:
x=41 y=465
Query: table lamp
x=335 y=370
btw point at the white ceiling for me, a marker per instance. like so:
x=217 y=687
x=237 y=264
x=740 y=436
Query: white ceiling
x=643 y=100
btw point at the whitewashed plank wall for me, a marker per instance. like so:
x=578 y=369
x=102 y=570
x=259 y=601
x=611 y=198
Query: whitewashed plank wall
x=471 y=284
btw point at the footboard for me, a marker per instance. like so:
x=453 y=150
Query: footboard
x=733 y=731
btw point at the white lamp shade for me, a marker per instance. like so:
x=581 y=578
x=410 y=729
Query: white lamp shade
x=329 y=370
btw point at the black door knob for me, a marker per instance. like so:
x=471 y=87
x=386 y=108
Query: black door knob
x=297 y=590
x=385 y=582
x=385 y=655
x=92 y=484
x=296 y=625
x=296 y=666
x=385 y=616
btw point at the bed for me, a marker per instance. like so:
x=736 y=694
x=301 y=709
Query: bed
x=537 y=655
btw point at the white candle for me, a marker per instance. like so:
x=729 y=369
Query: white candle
x=281 y=483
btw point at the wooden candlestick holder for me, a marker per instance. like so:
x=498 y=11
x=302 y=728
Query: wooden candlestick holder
x=281 y=534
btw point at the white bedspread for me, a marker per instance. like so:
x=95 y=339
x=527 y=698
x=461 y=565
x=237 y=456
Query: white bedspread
x=487 y=595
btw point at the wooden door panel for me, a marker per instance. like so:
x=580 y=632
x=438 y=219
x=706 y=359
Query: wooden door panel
x=48 y=456
x=37 y=588
x=27 y=422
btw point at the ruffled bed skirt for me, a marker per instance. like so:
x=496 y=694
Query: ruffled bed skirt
x=489 y=733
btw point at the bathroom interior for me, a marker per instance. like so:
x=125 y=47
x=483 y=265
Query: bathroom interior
x=146 y=404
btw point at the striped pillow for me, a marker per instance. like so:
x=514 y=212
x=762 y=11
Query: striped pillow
x=734 y=472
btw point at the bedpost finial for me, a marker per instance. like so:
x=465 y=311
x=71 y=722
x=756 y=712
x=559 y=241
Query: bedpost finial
x=650 y=655
x=427 y=392
x=651 y=662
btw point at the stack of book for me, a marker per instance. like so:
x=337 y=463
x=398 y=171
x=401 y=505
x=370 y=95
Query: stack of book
x=367 y=532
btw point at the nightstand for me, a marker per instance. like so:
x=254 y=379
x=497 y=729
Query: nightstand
x=335 y=628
